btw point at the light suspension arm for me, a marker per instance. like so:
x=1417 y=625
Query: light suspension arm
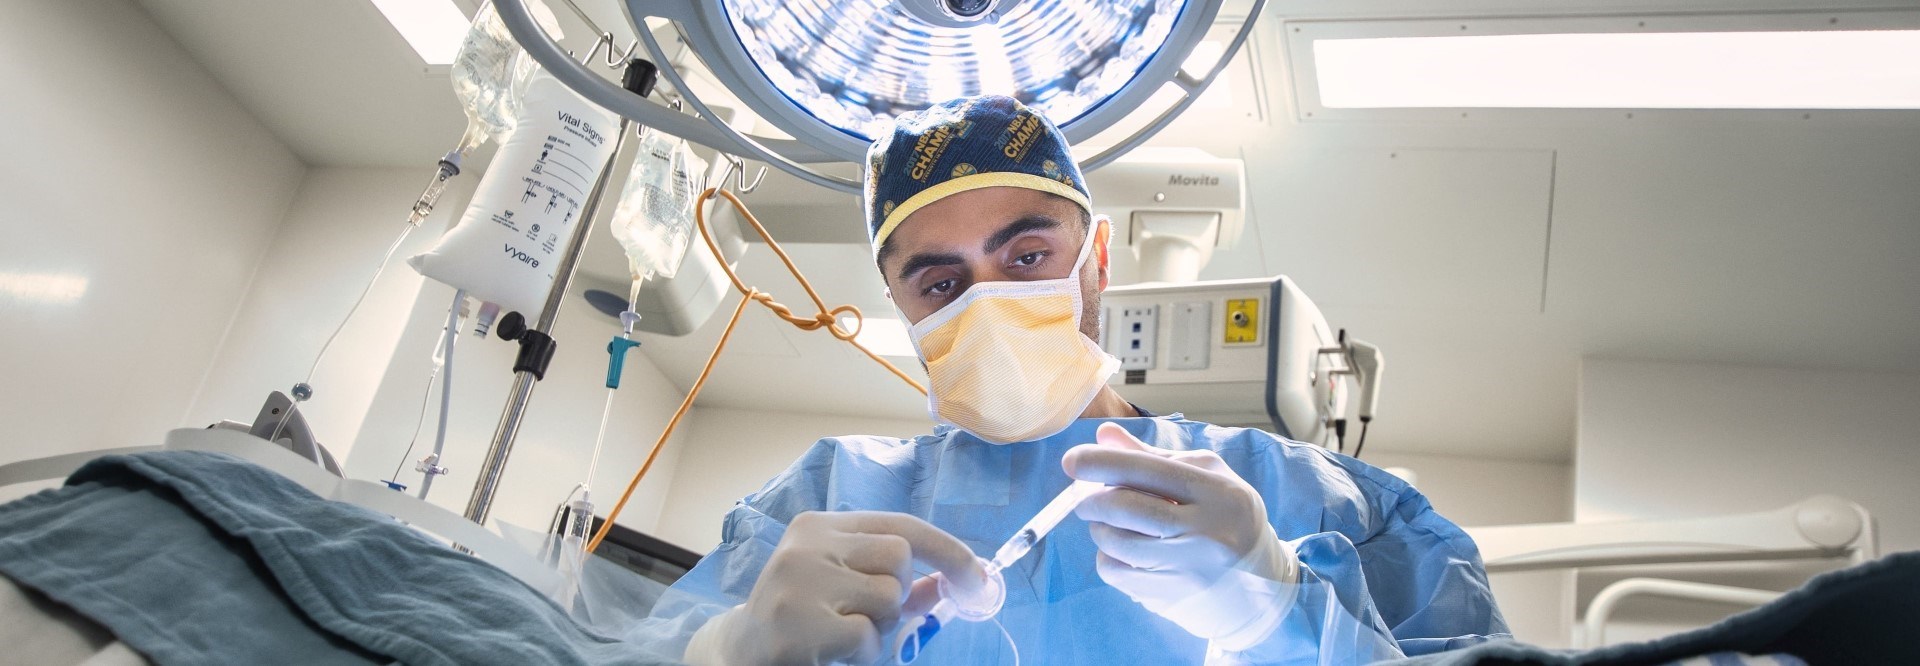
x=520 y=23
x=1190 y=89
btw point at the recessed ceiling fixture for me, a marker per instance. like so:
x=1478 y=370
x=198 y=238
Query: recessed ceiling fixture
x=1675 y=70
x=48 y=288
x=434 y=28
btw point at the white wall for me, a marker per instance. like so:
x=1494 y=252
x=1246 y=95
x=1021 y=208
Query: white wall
x=556 y=440
x=733 y=452
x=1476 y=492
x=1669 y=440
x=124 y=166
x=340 y=223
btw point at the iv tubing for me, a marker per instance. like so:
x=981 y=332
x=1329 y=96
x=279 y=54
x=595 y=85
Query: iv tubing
x=448 y=337
x=322 y=355
x=600 y=437
x=826 y=318
x=426 y=397
x=593 y=463
x=382 y=268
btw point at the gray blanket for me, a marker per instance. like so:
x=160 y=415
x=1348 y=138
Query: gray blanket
x=201 y=558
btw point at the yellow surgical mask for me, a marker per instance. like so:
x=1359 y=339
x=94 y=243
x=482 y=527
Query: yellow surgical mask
x=1007 y=361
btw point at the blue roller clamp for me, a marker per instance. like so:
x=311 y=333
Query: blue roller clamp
x=617 y=359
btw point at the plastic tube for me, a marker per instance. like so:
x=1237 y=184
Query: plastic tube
x=1041 y=523
x=448 y=337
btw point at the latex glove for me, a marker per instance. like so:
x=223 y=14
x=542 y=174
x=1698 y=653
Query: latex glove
x=833 y=586
x=1185 y=536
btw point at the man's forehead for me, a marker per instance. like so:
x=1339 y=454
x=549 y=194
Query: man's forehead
x=983 y=211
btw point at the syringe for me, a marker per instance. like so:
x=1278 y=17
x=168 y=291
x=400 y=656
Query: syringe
x=1042 y=523
x=983 y=605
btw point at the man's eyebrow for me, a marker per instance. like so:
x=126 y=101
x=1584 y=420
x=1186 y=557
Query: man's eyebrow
x=921 y=262
x=1023 y=225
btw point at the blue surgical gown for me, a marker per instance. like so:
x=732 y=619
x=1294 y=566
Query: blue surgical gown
x=1384 y=573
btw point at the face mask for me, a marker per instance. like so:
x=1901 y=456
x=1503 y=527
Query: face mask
x=1007 y=361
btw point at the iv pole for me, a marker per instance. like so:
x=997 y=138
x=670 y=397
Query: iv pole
x=536 y=344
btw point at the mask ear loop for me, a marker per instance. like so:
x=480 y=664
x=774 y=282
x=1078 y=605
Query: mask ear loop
x=1080 y=264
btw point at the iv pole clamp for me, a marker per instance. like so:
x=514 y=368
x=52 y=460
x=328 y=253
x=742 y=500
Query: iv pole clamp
x=537 y=345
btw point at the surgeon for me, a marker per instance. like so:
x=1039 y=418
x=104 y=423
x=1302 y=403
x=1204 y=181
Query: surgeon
x=1208 y=545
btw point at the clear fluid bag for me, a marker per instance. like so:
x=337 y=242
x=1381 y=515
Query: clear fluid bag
x=509 y=242
x=490 y=72
x=654 y=221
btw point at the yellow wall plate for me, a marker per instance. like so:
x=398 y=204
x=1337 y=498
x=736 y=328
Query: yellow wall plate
x=1243 y=321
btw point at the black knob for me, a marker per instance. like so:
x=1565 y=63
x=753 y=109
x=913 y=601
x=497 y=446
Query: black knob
x=511 y=326
x=640 y=76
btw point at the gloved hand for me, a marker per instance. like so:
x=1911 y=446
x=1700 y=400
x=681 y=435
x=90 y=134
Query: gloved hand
x=1185 y=536
x=833 y=586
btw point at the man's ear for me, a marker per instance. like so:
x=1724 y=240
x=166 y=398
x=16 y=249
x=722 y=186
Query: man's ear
x=1102 y=235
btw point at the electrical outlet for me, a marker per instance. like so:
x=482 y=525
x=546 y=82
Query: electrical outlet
x=1133 y=336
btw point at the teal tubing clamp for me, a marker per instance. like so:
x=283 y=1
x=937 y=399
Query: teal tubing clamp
x=617 y=358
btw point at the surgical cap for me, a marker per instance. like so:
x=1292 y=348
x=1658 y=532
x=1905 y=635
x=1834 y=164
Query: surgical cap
x=960 y=145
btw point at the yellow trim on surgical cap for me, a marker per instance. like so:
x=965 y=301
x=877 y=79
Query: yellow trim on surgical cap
x=967 y=183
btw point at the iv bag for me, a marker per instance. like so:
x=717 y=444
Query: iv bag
x=654 y=222
x=507 y=245
x=490 y=72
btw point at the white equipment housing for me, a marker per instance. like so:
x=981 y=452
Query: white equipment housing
x=1231 y=352
x=1173 y=206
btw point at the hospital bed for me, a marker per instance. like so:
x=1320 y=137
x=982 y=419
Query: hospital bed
x=422 y=515
x=319 y=559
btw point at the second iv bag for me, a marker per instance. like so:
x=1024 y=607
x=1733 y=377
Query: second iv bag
x=654 y=221
x=489 y=74
x=506 y=247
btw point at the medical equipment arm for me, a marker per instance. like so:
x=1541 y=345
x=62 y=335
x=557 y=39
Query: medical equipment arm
x=1819 y=526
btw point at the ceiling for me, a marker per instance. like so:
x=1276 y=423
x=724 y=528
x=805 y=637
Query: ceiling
x=1486 y=257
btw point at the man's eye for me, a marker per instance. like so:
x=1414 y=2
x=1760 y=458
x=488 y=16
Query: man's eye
x=942 y=287
x=1029 y=258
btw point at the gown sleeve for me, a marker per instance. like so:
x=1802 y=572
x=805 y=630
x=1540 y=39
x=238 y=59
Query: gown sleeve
x=1382 y=574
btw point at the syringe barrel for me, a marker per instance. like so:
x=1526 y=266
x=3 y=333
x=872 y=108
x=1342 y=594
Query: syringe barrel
x=1062 y=505
x=1043 y=522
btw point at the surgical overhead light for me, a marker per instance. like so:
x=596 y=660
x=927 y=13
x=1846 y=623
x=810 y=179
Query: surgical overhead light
x=832 y=73
x=1059 y=56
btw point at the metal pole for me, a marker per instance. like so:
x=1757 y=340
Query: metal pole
x=495 y=463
